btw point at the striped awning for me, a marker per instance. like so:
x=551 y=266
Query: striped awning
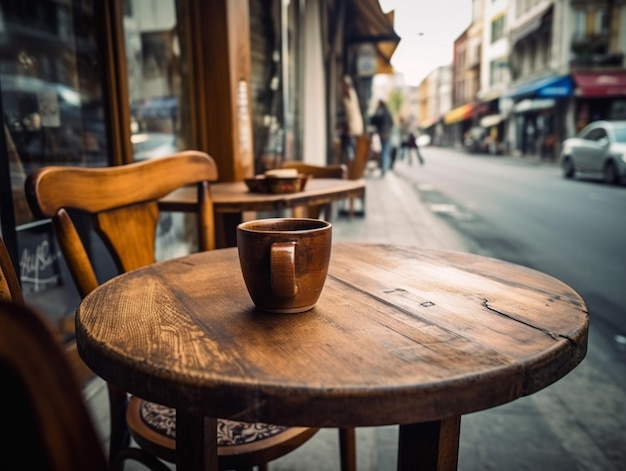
x=459 y=114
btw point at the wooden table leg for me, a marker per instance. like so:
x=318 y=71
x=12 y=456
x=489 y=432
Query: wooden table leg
x=226 y=229
x=347 y=449
x=432 y=446
x=196 y=442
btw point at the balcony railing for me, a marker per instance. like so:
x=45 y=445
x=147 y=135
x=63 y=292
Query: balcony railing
x=591 y=44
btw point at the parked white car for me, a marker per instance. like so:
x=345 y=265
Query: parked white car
x=599 y=149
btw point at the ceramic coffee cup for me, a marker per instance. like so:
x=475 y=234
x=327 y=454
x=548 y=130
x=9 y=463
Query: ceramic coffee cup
x=284 y=261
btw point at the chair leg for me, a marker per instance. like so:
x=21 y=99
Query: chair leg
x=119 y=435
x=347 y=449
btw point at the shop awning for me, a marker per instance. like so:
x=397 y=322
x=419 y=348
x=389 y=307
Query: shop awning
x=367 y=23
x=549 y=87
x=384 y=51
x=459 y=114
x=491 y=120
x=530 y=27
x=600 y=84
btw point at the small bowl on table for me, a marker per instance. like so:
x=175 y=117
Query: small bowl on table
x=277 y=183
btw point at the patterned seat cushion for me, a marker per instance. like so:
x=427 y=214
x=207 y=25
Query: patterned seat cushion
x=162 y=420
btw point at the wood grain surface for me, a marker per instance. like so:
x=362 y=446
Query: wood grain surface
x=398 y=336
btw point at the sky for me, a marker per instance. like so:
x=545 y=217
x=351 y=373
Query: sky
x=428 y=29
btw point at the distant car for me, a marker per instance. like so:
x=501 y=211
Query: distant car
x=599 y=149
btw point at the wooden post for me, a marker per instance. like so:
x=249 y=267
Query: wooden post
x=221 y=83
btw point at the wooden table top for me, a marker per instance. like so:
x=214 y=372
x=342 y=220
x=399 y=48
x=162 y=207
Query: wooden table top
x=234 y=197
x=400 y=335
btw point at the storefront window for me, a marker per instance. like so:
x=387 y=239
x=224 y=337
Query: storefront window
x=53 y=110
x=155 y=79
x=51 y=88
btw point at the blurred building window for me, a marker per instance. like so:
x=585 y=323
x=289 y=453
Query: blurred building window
x=580 y=24
x=497 y=28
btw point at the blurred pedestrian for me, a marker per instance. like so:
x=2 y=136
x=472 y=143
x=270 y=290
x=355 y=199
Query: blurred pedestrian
x=413 y=147
x=384 y=124
x=353 y=124
x=403 y=126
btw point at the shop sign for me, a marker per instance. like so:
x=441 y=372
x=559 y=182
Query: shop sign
x=366 y=61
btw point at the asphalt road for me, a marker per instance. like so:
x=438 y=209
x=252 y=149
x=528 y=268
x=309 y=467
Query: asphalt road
x=524 y=211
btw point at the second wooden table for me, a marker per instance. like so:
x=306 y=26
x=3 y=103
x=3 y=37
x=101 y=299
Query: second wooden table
x=231 y=200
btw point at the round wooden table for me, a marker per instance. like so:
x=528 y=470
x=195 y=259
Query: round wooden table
x=399 y=336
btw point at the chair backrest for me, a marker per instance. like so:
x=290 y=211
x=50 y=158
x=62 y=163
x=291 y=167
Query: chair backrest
x=10 y=288
x=356 y=167
x=319 y=171
x=47 y=424
x=123 y=203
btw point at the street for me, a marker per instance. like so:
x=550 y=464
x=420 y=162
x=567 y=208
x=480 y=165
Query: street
x=524 y=211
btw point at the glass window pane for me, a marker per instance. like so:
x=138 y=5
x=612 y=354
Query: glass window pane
x=54 y=114
x=154 y=62
x=51 y=88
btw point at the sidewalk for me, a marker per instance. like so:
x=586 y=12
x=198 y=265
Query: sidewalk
x=394 y=214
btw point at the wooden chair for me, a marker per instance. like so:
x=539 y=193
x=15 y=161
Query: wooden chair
x=320 y=171
x=47 y=424
x=356 y=167
x=123 y=204
x=10 y=288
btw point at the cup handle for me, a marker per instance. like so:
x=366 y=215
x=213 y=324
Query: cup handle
x=283 y=269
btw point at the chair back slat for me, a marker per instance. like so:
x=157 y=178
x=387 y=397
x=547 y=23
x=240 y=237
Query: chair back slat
x=130 y=234
x=10 y=288
x=75 y=253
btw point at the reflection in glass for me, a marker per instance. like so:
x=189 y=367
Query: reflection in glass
x=53 y=114
x=51 y=89
x=154 y=72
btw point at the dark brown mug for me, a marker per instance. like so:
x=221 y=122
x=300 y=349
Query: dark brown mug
x=284 y=261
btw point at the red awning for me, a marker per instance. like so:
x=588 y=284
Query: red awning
x=599 y=84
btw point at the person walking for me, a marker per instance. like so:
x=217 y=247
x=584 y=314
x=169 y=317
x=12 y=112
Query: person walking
x=412 y=146
x=353 y=124
x=384 y=124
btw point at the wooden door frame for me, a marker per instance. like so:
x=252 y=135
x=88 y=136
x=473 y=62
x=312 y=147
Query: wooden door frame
x=218 y=67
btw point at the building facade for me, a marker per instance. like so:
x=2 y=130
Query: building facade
x=545 y=68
